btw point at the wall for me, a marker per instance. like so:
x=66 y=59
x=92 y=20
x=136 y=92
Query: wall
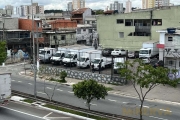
x=82 y=75
x=109 y=30
x=62 y=24
x=87 y=12
x=9 y=23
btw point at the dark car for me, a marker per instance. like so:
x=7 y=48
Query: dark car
x=107 y=51
x=133 y=54
x=156 y=63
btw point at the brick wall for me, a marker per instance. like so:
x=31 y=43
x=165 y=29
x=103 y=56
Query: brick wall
x=63 y=24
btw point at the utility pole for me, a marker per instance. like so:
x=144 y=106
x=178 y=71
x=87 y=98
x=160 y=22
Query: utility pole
x=34 y=57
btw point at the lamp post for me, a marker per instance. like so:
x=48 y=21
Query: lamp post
x=34 y=61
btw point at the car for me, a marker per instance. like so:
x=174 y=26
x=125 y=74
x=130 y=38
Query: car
x=159 y=63
x=133 y=54
x=118 y=52
x=107 y=51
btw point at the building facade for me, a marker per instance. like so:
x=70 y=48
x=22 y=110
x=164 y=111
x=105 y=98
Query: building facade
x=154 y=3
x=77 y=4
x=117 y=6
x=69 y=6
x=130 y=30
x=128 y=6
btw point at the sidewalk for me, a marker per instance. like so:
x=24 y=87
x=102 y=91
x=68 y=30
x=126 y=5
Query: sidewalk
x=159 y=93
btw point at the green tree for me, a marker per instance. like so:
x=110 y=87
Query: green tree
x=63 y=75
x=89 y=90
x=3 y=52
x=145 y=77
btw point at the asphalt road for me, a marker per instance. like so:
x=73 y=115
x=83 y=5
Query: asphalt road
x=112 y=104
x=19 y=111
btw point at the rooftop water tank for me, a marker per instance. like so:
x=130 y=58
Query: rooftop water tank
x=171 y=30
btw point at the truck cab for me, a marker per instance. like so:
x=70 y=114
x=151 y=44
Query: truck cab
x=58 y=57
x=83 y=62
x=145 y=52
x=70 y=59
x=45 y=54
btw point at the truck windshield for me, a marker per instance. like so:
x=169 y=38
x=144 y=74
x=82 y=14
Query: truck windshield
x=57 y=55
x=42 y=52
x=96 y=61
x=69 y=56
x=143 y=52
x=82 y=59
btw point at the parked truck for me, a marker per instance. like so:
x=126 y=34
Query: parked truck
x=45 y=54
x=5 y=87
x=116 y=61
x=87 y=56
x=149 y=50
x=73 y=54
x=59 y=56
x=101 y=62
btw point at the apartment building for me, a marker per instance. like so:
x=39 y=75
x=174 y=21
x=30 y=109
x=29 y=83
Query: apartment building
x=130 y=30
x=69 y=6
x=154 y=3
x=128 y=6
x=117 y=6
x=77 y=4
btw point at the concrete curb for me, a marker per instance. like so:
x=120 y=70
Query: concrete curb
x=65 y=113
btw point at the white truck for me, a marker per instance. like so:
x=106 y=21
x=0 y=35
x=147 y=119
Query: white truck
x=86 y=57
x=5 y=87
x=73 y=54
x=149 y=50
x=116 y=61
x=102 y=61
x=59 y=56
x=45 y=54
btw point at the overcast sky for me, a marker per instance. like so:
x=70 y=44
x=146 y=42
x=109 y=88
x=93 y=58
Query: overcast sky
x=62 y=4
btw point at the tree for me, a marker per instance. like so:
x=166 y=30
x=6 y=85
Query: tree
x=3 y=53
x=63 y=75
x=146 y=77
x=89 y=90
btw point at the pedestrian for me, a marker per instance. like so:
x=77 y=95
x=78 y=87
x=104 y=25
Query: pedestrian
x=99 y=67
x=92 y=68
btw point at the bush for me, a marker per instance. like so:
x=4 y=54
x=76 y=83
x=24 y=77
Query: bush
x=63 y=75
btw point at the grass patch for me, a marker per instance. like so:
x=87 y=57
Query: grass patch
x=109 y=88
x=57 y=80
x=28 y=100
x=74 y=112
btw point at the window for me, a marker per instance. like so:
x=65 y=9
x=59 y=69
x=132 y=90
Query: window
x=171 y=62
x=128 y=22
x=170 y=38
x=63 y=37
x=54 y=37
x=157 y=22
x=87 y=22
x=120 y=21
x=48 y=52
x=39 y=24
x=121 y=34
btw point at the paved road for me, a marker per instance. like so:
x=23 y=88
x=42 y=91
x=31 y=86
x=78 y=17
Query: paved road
x=19 y=111
x=112 y=104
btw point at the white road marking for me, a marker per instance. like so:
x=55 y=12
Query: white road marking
x=48 y=88
x=158 y=118
x=125 y=102
x=41 y=92
x=59 y=89
x=165 y=110
x=19 y=81
x=47 y=114
x=70 y=92
x=58 y=117
x=12 y=80
x=30 y=83
x=145 y=106
x=23 y=112
x=112 y=100
x=91 y=104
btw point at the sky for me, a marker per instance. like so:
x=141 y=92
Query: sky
x=62 y=4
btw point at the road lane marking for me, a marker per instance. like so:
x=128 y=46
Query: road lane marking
x=22 y=112
x=19 y=81
x=145 y=106
x=112 y=100
x=48 y=88
x=12 y=80
x=165 y=110
x=158 y=118
x=70 y=92
x=30 y=83
x=41 y=92
x=48 y=114
x=58 y=117
x=91 y=104
x=125 y=102
x=59 y=89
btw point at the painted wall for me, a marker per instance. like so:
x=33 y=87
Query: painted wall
x=108 y=28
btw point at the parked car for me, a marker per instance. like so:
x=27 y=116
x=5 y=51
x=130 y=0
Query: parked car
x=133 y=54
x=118 y=52
x=107 y=51
x=158 y=63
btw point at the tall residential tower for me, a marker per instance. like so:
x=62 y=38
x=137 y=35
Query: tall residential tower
x=77 y=4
